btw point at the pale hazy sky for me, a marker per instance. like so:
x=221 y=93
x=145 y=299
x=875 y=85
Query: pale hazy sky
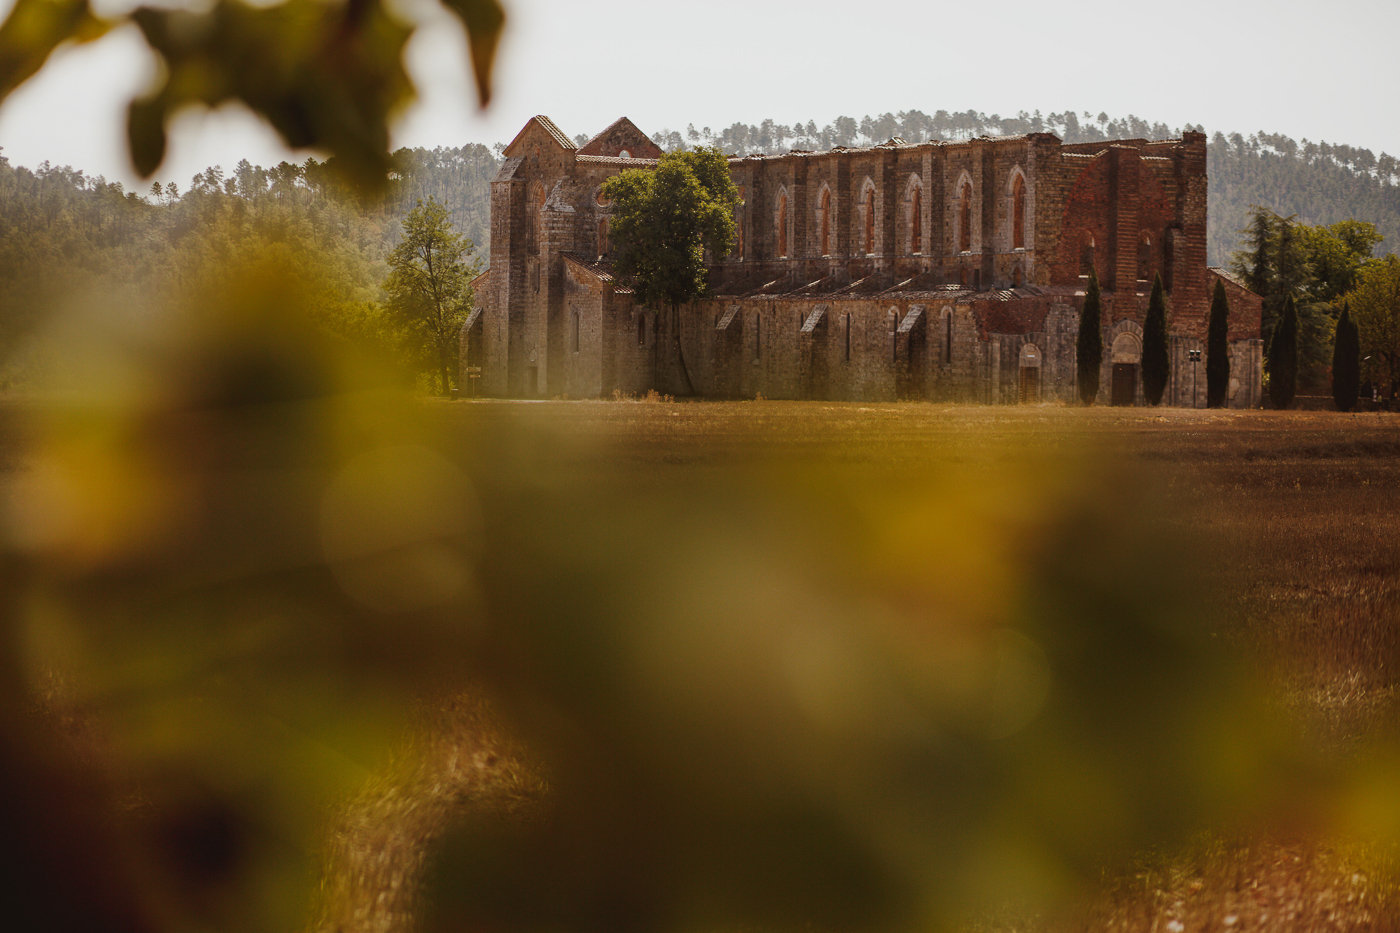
x=1321 y=70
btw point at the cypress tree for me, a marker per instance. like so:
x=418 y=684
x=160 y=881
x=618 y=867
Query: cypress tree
x=1218 y=349
x=1090 y=345
x=1346 y=363
x=1261 y=238
x=1156 y=364
x=1283 y=357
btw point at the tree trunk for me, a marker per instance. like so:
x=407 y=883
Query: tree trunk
x=680 y=351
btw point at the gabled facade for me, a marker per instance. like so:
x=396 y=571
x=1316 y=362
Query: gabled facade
x=938 y=270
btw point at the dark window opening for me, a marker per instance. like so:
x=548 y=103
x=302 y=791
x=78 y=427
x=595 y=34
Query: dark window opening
x=782 y=226
x=916 y=222
x=869 y=220
x=1018 y=214
x=965 y=218
x=826 y=222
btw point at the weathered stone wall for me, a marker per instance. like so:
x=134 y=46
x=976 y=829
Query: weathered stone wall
x=1246 y=308
x=897 y=271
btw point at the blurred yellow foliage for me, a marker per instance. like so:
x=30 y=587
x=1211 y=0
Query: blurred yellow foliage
x=872 y=688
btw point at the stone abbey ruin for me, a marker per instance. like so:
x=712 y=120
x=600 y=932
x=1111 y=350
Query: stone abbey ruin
x=939 y=270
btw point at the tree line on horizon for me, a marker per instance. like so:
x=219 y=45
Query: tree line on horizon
x=65 y=234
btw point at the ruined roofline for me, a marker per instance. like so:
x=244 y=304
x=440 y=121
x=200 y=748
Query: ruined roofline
x=1227 y=275
x=1097 y=146
x=1090 y=148
x=599 y=269
x=558 y=136
x=894 y=144
x=614 y=160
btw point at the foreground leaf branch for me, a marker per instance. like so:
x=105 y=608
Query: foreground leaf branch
x=324 y=76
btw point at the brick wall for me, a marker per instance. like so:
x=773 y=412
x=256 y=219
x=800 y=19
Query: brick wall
x=858 y=322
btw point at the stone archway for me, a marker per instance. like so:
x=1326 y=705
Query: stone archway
x=1126 y=357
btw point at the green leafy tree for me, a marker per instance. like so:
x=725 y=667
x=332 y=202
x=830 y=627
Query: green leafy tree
x=1089 y=348
x=1283 y=357
x=429 y=283
x=1335 y=254
x=1375 y=304
x=665 y=221
x=1346 y=363
x=1156 y=363
x=1315 y=266
x=1218 y=348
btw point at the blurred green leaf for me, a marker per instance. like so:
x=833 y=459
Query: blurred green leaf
x=145 y=134
x=483 y=20
x=34 y=29
x=324 y=75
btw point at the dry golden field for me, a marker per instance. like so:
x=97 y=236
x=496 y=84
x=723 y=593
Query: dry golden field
x=744 y=664
x=1296 y=518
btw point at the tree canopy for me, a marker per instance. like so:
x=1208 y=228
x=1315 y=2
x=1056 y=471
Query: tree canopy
x=1346 y=363
x=1375 y=307
x=429 y=283
x=665 y=220
x=663 y=224
x=1283 y=258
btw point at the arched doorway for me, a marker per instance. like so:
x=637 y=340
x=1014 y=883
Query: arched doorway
x=1127 y=359
x=1028 y=385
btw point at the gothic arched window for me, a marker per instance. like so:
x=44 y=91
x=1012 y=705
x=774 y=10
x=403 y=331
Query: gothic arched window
x=870 y=219
x=1018 y=213
x=965 y=217
x=826 y=222
x=782 y=225
x=916 y=221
